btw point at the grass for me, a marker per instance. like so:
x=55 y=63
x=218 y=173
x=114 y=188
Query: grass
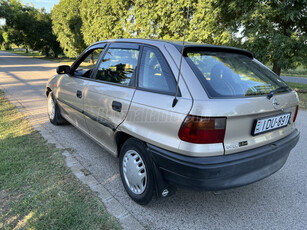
x=302 y=96
x=298 y=72
x=61 y=59
x=37 y=189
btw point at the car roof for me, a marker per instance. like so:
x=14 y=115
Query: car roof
x=179 y=44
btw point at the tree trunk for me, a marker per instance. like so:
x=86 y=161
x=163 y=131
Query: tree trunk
x=92 y=58
x=47 y=52
x=27 y=51
x=276 y=68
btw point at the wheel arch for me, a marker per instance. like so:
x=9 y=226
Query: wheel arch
x=48 y=90
x=120 y=139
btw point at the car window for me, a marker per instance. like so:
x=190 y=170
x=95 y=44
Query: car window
x=118 y=65
x=87 y=63
x=233 y=75
x=154 y=72
x=91 y=59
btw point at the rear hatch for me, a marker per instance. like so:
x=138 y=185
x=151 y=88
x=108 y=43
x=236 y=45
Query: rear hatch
x=259 y=107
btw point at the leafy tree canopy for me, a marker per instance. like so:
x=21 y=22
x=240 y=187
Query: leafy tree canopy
x=28 y=26
x=162 y=19
x=67 y=24
x=206 y=25
x=103 y=19
x=274 y=30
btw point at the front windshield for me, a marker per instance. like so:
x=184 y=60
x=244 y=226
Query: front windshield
x=233 y=75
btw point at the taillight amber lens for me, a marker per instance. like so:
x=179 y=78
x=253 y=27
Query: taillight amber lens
x=203 y=130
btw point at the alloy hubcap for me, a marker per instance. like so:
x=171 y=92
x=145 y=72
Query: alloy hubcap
x=134 y=172
x=51 y=108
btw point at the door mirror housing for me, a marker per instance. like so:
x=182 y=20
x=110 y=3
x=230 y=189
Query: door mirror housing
x=63 y=69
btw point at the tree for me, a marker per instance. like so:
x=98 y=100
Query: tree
x=274 y=30
x=163 y=19
x=206 y=25
x=47 y=40
x=103 y=19
x=171 y=18
x=67 y=24
x=28 y=26
x=1 y=37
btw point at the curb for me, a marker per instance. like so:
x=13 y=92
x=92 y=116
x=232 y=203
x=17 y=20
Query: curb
x=113 y=206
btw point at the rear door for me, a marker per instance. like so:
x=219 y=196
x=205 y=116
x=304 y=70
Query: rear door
x=152 y=116
x=108 y=95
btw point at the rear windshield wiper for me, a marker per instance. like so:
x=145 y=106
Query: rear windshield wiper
x=271 y=94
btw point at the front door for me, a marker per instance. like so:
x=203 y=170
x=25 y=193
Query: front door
x=71 y=87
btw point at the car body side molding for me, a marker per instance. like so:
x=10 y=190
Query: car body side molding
x=97 y=119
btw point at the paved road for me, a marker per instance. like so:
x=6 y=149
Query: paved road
x=277 y=202
x=295 y=79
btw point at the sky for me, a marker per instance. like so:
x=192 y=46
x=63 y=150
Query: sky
x=47 y=4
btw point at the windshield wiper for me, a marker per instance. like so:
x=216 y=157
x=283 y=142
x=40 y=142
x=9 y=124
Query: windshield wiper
x=271 y=94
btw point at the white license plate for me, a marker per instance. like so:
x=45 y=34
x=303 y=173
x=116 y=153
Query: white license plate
x=270 y=123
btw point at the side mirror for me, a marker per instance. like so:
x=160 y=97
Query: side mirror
x=63 y=69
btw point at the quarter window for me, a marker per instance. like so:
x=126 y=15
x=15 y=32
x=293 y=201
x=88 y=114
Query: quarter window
x=154 y=72
x=118 y=66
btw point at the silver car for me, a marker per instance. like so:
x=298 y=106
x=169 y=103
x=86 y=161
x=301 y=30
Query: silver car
x=223 y=120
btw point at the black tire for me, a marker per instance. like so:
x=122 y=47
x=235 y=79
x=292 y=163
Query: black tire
x=134 y=145
x=55 y=118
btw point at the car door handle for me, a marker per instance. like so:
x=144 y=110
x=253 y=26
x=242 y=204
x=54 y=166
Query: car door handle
x=117 y=106
x=79 y=93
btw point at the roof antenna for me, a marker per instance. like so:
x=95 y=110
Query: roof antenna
x=185 y=28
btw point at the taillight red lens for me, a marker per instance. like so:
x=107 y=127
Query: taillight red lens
x=295 y=115
x=203 y=130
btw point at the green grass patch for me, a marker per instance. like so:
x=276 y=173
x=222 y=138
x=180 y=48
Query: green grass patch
x=297 y=85
x=63 y=60
x=34 y=54
x=298 y=72
x=37 y=189
x=303 y=96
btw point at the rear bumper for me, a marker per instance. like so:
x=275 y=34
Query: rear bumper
x=223 y=172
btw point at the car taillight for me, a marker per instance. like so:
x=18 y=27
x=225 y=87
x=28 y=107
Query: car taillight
x=203 y=130
x=296 y=111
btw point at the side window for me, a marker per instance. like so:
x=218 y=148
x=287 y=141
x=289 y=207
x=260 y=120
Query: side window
x=118 y=65
x=154 y=72
x=86 y=64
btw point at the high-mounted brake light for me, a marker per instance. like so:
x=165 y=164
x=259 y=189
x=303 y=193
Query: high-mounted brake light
x=203 y=130
x=295 y=115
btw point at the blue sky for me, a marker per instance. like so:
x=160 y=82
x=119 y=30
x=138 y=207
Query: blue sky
x=47 y=4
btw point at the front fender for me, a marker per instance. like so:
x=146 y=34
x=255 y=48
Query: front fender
x=52 y=83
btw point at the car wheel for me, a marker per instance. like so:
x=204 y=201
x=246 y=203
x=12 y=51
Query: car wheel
x=54 y=113
x=136 y=171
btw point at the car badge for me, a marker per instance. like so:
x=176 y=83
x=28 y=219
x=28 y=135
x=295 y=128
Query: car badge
x=275 y=103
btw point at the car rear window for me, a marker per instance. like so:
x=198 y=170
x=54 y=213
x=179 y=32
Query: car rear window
x=233 y=75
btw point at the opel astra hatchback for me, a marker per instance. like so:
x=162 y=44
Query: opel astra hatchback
x=223 y=120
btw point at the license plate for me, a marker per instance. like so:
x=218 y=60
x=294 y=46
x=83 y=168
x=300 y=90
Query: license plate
x=270 y=123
